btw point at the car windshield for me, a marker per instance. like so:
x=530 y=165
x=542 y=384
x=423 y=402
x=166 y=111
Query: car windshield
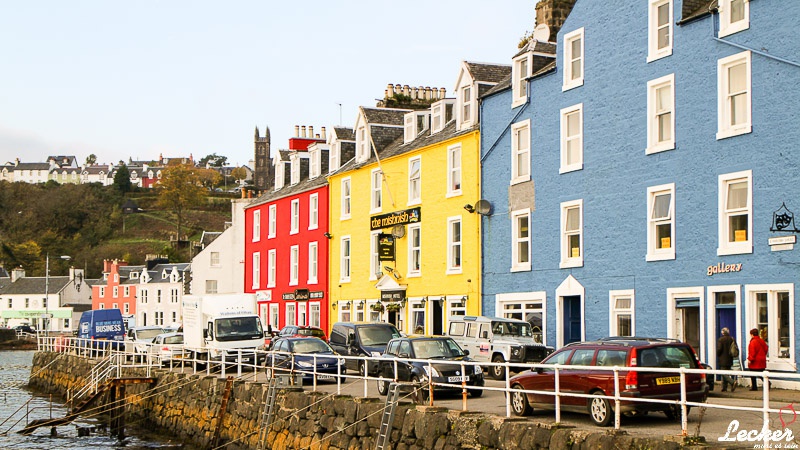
x=436 y=348
x=518 y=329
x=239 y=328
x=311 y=332
x=667 y=356
x=376 y=336
x=173 y=339
x=311 y=346
x=148 y=334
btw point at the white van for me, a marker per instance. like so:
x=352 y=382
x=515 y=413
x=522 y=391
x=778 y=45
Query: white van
x=498 y=340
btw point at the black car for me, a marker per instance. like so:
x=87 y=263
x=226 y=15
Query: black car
x=444 y=362
x=25 y=329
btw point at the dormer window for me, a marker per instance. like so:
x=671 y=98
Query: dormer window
x=295 y=169
x=362 y=144
x=466 y=105
x=441 y=113
x=415 y=123
x=520 y=73
x=734 y=16
x=316 y=162
x=279 y=175
x=333 y=156
x=135 y=275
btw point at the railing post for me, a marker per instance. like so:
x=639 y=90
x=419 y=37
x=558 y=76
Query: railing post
x=765 y=405
x=684 y=412
x=558 y=395
x=239 y=362
x=464 y=386
x=616 y=398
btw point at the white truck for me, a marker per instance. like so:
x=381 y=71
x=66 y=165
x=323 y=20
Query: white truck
x=222 y=327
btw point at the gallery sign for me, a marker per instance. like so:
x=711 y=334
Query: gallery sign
x=406 y=216
x=723 y=268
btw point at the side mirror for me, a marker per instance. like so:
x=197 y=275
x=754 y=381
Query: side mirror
x=206 y=334
x=466 y=352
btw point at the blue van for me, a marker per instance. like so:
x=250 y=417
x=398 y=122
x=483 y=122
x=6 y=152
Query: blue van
x=104 y=326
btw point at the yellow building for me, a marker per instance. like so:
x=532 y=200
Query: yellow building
x=405 y=231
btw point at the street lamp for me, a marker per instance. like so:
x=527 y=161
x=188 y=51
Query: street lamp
x=47 y=291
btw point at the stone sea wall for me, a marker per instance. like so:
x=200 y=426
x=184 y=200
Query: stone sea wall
x=188 y=406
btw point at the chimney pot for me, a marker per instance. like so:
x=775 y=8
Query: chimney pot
x=442 y=93
x=310 y=131
x=389 y=90
x=297 y=131
x=303 y=131
x=323 y=133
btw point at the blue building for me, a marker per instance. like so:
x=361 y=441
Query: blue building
x=643 y=170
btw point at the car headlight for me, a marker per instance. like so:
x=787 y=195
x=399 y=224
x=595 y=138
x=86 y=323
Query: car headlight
x=515 y=351
x=304 y=364
x=376 y=354
x=430 y=371
x=477 y=370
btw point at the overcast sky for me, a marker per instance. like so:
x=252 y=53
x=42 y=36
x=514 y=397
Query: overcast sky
x=136 y=79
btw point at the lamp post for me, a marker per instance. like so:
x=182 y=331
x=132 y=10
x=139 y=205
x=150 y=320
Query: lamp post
x=47 y=291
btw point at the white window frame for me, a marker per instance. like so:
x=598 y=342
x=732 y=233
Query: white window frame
x=294 y=175
x=362 y=144
x=313 y=211
x=345 y=258
x=653 y=28
x=290 y=313
x=726 y=27
x=376 y=190
x=333 y=156
x=751 y=317
x=520 y=72
x=565 y=139
x=614 y=312
x=571 y=82
x=414 y=251
x=272 y=262
x=517 y=240
x=126 y=291
x=280 y=173
x=314 y=166
x=256 y=270
x=438 y=118
x=466 y=110
x=726 y=247
x=654 y=253
x=654 y=114
x=455 y=246
x=212 y=286
x=273 y=221
x=347 y=193
x=518 y=152
x=294 y=265
x=256 y=225
x=567 y=260
x=374 y=260
x=724 y=110
x=314 y=314
x=415 y=182
x=313 y=263
x=295 y=216
x=409 y=127
x=454 y=172
x=538 y=301
x=213 y=261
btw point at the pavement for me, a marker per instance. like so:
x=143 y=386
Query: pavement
x=788 y=396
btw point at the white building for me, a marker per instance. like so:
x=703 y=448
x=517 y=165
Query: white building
x=219 y=267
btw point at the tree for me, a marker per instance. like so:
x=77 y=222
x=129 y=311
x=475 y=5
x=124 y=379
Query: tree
x=179 y=190
x=239 y=173
x=122 y=179
x=91 y=159
x=213 y=160
x=208 y=177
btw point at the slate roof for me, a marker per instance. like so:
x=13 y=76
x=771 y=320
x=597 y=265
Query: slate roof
x=500 y=86
x=32 y=166
x=125 y=271
x=491 y=73
x=384 y=116
x=303 y=186
x=95 y=282
x=345 y=134
x=155 y=273
x=96 y=169
x=32 y=285
x=208 y=237
x=694 y=9
x=63 y=160
x=3 y=273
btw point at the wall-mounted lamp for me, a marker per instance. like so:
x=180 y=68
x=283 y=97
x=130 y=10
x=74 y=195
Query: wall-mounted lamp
x=335 y=305
x=464 y=298
x=378 y=274
x=361 y=304
x=328 y=235
x=469 y=208
x=392 y=272
x=424 y=300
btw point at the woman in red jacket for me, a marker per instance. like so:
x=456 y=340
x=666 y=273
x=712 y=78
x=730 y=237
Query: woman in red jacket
x=756 y=356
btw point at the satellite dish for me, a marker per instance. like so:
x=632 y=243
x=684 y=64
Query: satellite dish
x=398 y=231
x=541 y=33
x=483 y=207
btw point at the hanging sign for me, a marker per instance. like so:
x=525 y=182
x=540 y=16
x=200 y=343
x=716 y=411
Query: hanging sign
x=385 y=247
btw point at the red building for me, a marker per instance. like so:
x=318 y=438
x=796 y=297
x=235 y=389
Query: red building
x=286 y=248
x=117 y=288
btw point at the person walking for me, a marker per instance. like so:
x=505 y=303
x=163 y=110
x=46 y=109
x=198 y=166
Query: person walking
x=756 y=357
x=725 y=356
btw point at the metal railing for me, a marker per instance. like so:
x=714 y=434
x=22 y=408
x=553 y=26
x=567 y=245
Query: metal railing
x=277 y=363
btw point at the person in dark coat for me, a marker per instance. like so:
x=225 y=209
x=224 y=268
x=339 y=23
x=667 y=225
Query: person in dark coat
x=724 y=358
x=756 y=356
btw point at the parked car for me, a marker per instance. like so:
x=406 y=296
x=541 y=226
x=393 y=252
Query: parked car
x=499 y=340
x=24 y=329
x=622 y=352
x=436 y=349
x=167 y=347
x=362 y=339
x=306 y=355
x=302 y=330
x=138 y=339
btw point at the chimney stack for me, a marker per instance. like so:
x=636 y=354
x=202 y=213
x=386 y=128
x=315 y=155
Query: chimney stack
x=553 y=13
x=297 y=131
x=323 y=134
x=310 y=131
x=17 y=273
x=442 y=93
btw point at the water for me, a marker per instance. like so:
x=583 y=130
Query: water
x=15 y=368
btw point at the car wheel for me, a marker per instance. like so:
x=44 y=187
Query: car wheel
x=519 y=401
x=600 y=410
x=362 y=369
x=673 y=412
x=383 y=387
x=422 y=392
x=475 y=393
x=498 y=372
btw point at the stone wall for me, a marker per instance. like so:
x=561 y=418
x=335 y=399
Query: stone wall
x=187 y=406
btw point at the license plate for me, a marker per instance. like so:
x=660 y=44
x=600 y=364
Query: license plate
x=324 y=377
x=668 y=380
x=457 y=379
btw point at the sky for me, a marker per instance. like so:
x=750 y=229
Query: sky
x=141 y=79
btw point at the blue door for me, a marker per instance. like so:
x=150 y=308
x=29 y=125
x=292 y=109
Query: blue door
x=572 y=319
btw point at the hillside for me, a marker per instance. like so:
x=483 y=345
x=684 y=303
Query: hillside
x=86 y=222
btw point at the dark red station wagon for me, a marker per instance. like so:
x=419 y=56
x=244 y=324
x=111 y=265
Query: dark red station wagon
x=609 y=352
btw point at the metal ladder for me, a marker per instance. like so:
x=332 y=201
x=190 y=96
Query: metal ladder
x=392 y=400
x=102 y=371
x=269 y=411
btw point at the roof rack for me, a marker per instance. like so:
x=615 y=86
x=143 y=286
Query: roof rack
x=638 y=338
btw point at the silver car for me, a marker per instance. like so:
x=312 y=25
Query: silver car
x=167 y=348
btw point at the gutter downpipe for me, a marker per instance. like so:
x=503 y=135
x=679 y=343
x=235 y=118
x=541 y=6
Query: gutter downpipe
x=714 y=32
x=523 y=108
